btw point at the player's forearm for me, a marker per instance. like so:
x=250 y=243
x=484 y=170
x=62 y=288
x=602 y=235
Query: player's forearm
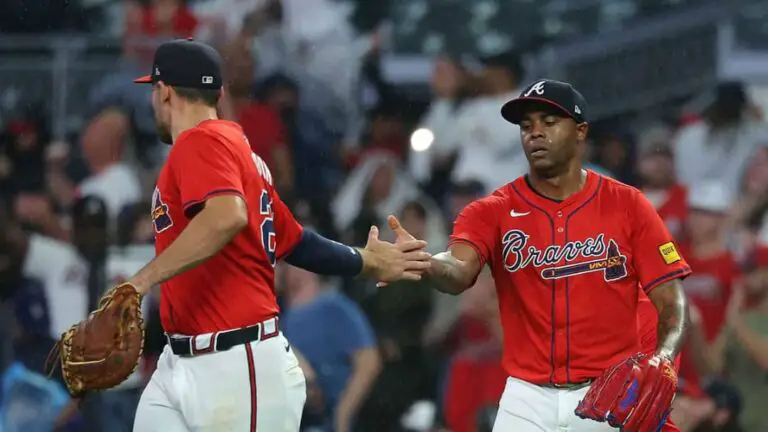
x=448 y=274
x=206 y=234
x=672 y=306
x=324 y=256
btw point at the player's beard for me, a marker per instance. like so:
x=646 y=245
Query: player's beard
x=164 y=132
x=555 y=165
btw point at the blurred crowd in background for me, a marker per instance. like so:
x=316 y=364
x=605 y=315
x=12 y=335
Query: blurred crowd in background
x=308 y=82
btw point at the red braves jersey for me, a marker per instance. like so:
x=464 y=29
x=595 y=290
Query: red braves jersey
x=568 y=272
x=235 y=287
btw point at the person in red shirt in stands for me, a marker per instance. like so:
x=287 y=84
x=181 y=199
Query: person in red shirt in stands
x=656 y=170
x=714 y=266
x=261 y=124
x=168 y=18
x=146 y=22
x=708 y=289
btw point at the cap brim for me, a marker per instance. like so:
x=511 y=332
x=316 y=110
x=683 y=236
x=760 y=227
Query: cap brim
x=514 y=110
x=146 y=79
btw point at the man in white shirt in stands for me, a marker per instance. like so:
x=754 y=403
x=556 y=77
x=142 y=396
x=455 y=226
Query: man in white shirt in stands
x=71 y=273
x=103 y=146
x=486 y=150
x=718 y=147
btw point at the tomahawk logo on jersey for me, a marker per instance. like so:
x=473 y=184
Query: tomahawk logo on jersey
x=572 y=279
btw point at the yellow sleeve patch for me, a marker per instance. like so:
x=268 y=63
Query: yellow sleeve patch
x=669 y=253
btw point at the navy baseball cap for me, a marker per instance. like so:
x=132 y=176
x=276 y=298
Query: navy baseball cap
x=186 y=63
x=557 y=94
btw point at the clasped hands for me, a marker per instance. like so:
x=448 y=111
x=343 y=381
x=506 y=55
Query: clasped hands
x=405 y=259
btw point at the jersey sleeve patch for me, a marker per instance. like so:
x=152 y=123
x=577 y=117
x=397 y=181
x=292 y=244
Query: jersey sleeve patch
x=669 y=253
x=161 y=217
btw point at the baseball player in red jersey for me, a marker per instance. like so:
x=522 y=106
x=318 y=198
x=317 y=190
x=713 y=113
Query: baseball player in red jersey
x=569 y=250
x=220 y=227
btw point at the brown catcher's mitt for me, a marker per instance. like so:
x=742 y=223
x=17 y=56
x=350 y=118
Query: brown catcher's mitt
x=101 y=351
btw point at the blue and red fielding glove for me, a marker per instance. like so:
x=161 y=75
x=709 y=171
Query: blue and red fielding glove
x=633 y=396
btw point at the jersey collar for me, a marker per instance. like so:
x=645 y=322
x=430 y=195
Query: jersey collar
x=535 y=199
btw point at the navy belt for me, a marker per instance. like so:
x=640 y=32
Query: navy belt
x=568 y=386
x=190 y=346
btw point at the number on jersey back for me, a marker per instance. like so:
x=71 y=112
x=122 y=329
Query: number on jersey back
x=268 y=237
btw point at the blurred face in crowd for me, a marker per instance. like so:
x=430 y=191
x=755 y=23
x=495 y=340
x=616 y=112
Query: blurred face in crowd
x=756 y=173
x=449 y=79
x=104 y=138
x=239 y=66
x=284 y=99
x=551 y=141
x=414 y=220
x=386 y=128
x=25 y=136
x=657 y=170
x=497 y=79
x=381 y=182
x=725 y=112
x=90 y=236
x=612 y=153
x=704 y=225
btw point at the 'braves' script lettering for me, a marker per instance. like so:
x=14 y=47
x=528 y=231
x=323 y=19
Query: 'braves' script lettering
x=518 y=255
x=561 y=261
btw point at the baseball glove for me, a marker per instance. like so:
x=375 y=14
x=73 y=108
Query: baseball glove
x=101 y=351
x=634 y=396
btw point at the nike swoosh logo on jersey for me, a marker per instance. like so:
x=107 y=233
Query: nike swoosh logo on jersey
x=516 y=214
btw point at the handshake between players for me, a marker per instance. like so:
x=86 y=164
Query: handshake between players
x=405 y=259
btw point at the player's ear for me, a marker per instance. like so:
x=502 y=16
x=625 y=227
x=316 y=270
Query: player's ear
x=163 y=91
x=581 y=131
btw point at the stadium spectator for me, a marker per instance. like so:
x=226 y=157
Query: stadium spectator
x=379 y=185
x=22 y=143
x=336 y=339
x=656 y=178
x=740 y=351
x=714 y=266
x=314 y=144
x=718 y=146
x=170 y=18
x=261 y=123
x=490 y=148
x=398 y=315
x=615 y=154
x=475 y=378
x=452 y=93
x=112 y=179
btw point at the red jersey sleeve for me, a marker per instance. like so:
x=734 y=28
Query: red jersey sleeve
x=656 y=258
x=287 y=228
x=476 y=227
x=204 y=167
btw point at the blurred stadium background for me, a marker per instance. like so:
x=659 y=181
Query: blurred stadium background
x=366 y=108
